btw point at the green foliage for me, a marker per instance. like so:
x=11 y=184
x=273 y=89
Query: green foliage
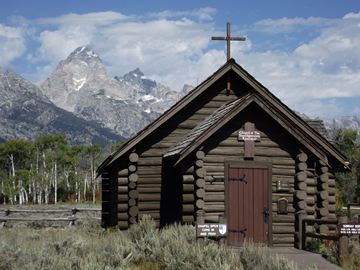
x=143 y=246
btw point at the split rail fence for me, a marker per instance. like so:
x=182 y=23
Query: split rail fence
x=26 y=215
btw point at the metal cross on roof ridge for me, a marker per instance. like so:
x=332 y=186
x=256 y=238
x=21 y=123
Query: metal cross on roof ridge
x=228 y=38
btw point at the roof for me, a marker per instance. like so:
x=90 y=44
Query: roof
x=310 y=134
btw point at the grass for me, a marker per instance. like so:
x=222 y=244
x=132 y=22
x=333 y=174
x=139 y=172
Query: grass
x=143 y=246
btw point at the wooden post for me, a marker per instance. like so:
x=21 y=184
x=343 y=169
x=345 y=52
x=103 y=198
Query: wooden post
x=223 y=220
x=343 y=240
x=7 y=213
x=302 y=229
x=200 y=219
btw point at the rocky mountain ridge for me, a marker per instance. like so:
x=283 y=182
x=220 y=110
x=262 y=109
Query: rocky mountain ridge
x=81 y=101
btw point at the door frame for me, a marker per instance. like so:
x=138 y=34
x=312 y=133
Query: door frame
x=252 y=165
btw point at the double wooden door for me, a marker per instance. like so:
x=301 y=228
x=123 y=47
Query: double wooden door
x=248 y=189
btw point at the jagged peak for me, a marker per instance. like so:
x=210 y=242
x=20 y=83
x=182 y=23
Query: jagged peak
x=84 y=53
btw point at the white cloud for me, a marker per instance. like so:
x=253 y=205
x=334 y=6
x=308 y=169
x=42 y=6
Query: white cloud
x=12 y=43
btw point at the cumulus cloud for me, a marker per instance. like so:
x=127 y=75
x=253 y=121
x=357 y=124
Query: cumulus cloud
x=175 y=48
x=12 y=43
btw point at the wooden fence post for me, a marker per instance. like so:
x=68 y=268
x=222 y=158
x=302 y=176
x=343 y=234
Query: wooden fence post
x=343 y=240
x=302 y=231
x=7 y=213
x=200 y=219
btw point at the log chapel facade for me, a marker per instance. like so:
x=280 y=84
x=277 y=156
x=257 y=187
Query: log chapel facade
x=228 y=148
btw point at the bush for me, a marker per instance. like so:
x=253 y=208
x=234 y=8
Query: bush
x=143 y=246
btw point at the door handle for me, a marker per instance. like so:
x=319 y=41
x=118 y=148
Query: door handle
x=266 y=215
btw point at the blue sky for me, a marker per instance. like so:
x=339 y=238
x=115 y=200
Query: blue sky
x=305 y=52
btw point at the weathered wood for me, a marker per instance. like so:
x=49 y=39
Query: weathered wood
x=188 y=198
x=214 y=187
x=122 y=216
x=148 y=170
x=149 y=197
x=150 y=161
x=156 y=179
x=123 y=198
x=214 y=197
x=123 y=207
x=283 y=228
x=200 y=183
x=200 y=203
x=302 y=205
x=311 y=190
x=302 y=157
x=323 y=228
x=283 y=238
x=200 y=193
x=132 y=202
x=324 y=194
x=302 y=185
x=122 y=181
x=123 y=173
x=209 y=208
x=188 y=219
x=188 y=208
x=324 y=186
x=199 y=163
x=132 y=168
x=133 y=211
x=311 y=181
x=123 y=189
x=133 y=177
x=301 y=194
x=132 y=185
x=134 y=194
x=149 y=206
x=323 y=211
x=188 y=188
x=283 y=218
x=132 y=220
x=200 y=154
x=188 y=178
x=301 y=166
x=324 y=177
x=133 y=157
x=301 y=176
x=324 y=169
x=123 y=225
x=201 y=172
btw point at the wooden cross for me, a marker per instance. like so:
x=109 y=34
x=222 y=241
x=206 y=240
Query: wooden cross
x=228 y=38
x=249 y=136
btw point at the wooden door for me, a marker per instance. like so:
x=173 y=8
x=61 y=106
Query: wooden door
x=247 y=197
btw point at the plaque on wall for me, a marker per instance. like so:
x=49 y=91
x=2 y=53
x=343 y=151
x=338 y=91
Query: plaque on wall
x=282 y=206
x=282 y=185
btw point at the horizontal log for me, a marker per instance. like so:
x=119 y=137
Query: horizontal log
x=324 y=177
x=283 y=171
x=323 y=212
x=133 y=157
x=302 y=205
x=146 y=170
x=123 y=225
x=324 y=169
x=200 y=203
x=150 y=161
x=301 y=166
x=123 y=216
x=199 y=163
x=132 y=168
x=147 y=189
x=123 y=198
x=133 y=177
x=122 y=181
x=301 y=176
x=283 y=218
x=132 y=220
x=149 y=197
x=200 y=193
x=209 y=208
x=133 y=211
x=215 y=187
x=287 y=238
x=301 y=194
x=212 y=218
x=134 y=194
x=188 y=178
x=188 y=198
x=153 y=215
x=188 y=208
x=214 y=197
x=200 y=183
x=301 y=185
x=324 y=186
x=274 y=208
x=123 y=173
x=324 y=194
x=201 y=172
x=188 y=188
x=302 y=157
x=132 y=185
x=123 y=189
x=149 y=180
x=311 y=190
x=148 y=206
x=122 y=207
x=188 y=219
x=132 y=202
x=284 y=228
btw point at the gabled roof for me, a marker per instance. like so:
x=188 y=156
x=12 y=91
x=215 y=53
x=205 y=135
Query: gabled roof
x=296 y=126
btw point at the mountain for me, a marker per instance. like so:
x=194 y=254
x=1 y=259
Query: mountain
x=26 y=113
x=346 y=122
x=124 y=104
